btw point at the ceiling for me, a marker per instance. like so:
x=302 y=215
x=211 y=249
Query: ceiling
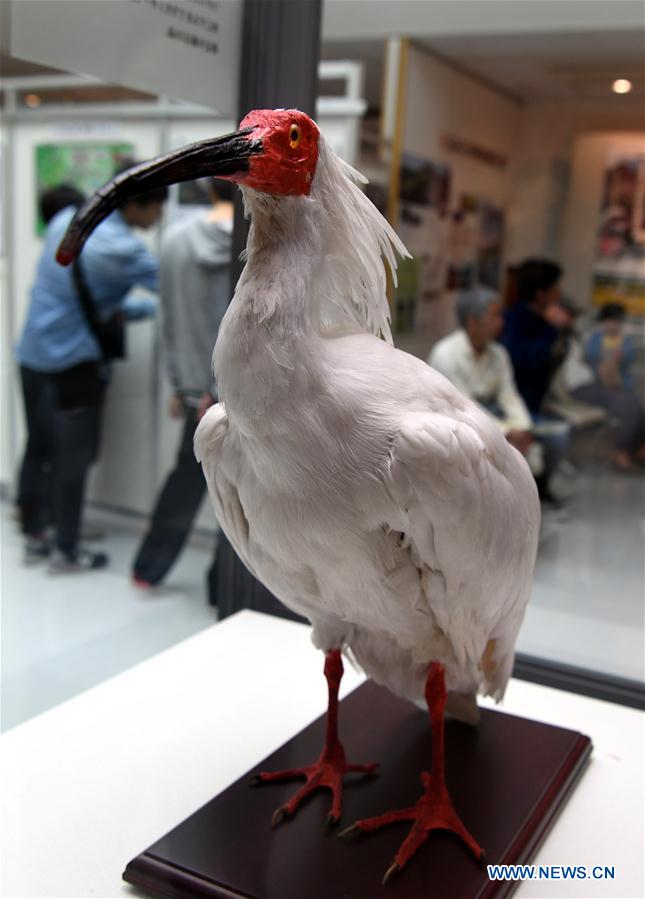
x=538 y=66
x=525 y=66
x=377 y=19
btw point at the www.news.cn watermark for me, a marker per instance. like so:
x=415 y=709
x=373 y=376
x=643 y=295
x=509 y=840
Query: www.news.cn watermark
x=550 y=872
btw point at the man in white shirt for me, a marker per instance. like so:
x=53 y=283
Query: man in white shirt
x=481 y=368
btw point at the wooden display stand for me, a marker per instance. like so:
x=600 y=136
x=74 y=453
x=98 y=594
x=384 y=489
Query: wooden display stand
x=508 y=779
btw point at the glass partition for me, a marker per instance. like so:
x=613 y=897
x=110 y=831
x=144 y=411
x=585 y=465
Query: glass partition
x=484 y=151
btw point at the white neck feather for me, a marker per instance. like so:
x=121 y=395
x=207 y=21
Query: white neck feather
x=314 y=268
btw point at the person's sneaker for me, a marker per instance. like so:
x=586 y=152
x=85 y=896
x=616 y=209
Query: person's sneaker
x=82 y=560
x=36 y=550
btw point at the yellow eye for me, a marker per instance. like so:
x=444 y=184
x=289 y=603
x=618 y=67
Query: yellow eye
x=294 y=136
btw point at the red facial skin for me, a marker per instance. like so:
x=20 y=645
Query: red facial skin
x=281 y=169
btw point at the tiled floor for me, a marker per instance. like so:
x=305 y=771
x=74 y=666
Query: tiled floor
x=63 y=634
x=588 y=603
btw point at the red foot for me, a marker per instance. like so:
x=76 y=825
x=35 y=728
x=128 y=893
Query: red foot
x=433 y=811
x=328 y=771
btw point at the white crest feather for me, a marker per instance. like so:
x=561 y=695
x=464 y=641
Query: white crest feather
x=331 y=246
x=354 y=286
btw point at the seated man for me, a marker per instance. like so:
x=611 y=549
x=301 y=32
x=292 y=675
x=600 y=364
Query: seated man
x=480 y=367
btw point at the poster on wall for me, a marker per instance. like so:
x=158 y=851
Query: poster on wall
x=619 y=269
x=456 y=242
x=463 y=244
x=423 y=228
x=491 y=245
x=85 y=166
x=475 y=244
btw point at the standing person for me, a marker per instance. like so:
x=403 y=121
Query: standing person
x=534 y=334
x=35 y=488
x=473 y=360
x=195 y=292
x=63 y=347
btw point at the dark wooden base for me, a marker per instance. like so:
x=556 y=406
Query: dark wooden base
x=508 y=779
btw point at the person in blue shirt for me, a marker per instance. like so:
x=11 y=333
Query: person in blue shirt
x=609 y=351
x=611 y=355
x=534 y=332
x=36 y=471
x=533 y=327
x=64 y=372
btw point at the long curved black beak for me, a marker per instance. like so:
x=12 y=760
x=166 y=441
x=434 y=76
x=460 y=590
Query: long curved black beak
x=217 y=157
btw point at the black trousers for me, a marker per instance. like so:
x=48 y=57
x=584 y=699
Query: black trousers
x=174 y=513
x=35 y=481
x=62 y=445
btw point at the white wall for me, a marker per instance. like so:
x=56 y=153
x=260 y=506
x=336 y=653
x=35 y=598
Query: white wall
x=546 y=135
x=6 y=360
x=441 y=100
x=550 y=175
x=556 y=151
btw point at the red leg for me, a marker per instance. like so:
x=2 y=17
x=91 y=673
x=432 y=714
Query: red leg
x=330 y=767
x=434 y=810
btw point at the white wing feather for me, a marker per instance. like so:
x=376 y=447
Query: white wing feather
x=452 y=586
x=209 y=439
x=475 y=560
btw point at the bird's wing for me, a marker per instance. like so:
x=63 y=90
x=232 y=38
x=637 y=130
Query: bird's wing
x=210 y=440
x=467 y=504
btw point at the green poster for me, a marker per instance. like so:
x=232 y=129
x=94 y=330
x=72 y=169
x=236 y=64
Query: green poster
x=85 y=166
x=405 y=296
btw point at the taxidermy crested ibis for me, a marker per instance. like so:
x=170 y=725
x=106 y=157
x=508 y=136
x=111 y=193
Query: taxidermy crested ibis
x=354 y=481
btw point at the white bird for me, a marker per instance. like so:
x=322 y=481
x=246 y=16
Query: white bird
x=353 y=480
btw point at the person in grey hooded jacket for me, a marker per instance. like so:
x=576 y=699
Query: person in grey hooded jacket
x=195 y=291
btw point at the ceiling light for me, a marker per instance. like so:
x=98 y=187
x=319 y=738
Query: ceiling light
x=621 y=86
x=32 y=100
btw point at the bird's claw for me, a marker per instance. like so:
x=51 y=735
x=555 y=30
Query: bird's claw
x=391 y=871
x=353 y=828
x=332 y=820
x=256 y=780
x=279 y=816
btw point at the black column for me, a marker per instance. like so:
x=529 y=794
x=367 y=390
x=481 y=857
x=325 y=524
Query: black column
x=280 y=47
